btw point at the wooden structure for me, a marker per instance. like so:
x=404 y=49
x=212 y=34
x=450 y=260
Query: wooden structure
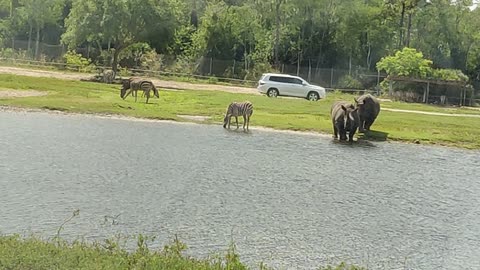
x=460 y=84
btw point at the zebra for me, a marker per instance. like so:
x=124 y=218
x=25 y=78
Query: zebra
x=134 y=84
x=237 y=109
x=108 y=76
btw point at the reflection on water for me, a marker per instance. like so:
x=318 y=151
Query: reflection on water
x=292 y=201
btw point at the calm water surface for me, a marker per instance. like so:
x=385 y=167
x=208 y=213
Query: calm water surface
x=292 y=201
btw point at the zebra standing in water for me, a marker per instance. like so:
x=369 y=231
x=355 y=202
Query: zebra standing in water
x=237 y=109
x=135 y=84
x=108 y=76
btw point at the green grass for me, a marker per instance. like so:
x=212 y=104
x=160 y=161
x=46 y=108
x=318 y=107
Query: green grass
x=429 y=108
x=35 y=253
x=281 y=113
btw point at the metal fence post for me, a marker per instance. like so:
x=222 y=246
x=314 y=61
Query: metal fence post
x=331 y=78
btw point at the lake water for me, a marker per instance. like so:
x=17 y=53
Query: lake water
x=292 y=201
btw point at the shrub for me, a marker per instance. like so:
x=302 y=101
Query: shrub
x=77 y=61
x=449 y=74
x=349 y=81
x=407 y=62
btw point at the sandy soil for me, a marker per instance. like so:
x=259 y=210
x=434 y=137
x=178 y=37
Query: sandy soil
x=432 y=113
x=159 y=83
x=194 y=117
x=9 y=93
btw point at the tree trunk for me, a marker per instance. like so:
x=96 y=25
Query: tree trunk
x=29 y=44
x=277 y=31
x=12 y=8
x=115 y=60
x=350 y=64
x=299 y=56
x=369 y=56
x=37 y=43
x=402 y=18
x=409 y=28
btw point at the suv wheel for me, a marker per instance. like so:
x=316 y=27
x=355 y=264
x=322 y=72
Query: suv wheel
x=313 y=96
x=272 y=93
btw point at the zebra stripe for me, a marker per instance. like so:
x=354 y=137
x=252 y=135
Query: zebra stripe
x=136 y=84
x=108 y=76
x=236 y=109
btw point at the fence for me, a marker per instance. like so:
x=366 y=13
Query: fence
x=357 y=78
x=223 y=70
x=230 y=71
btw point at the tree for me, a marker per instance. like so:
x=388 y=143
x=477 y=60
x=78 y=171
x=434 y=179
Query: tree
x=38 y=14
x=407 y=62
x=118 y=23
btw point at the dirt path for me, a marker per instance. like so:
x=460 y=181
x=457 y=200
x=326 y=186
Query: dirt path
x=10 y=93
x=157 y=82
x=433 y=113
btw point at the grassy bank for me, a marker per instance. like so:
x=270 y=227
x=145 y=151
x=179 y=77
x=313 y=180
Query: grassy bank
x=38 y=254
x=282 y=113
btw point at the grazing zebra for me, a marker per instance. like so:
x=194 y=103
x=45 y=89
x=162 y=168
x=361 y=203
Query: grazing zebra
x=237 y=109
x=135 y=84
x=108 y=76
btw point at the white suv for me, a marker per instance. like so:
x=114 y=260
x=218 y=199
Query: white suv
x=274 y=85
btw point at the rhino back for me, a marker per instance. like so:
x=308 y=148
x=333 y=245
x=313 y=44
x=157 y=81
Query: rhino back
x=337 y=108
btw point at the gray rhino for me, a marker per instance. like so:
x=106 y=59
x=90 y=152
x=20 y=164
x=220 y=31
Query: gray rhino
x=344 y=119
x=368 y=110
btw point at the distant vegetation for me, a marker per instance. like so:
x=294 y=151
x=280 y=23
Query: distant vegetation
x=259 y=35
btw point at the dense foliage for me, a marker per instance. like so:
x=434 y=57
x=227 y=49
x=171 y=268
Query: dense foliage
x=260 y=34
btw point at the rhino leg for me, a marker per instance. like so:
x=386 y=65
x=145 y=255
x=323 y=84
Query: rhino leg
x=335 y=131
x=343 y=135
x=350 y=135
x=361 y=128
x=368 y=124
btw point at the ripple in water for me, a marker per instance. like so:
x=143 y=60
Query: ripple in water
x=292 y=201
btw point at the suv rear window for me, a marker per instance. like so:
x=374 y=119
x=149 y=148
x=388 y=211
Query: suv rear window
x=285 y=79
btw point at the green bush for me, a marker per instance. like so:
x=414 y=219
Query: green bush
x=349 y=81
x=449 y=74
x=213 y=80
x=407 y=62
x=78 y=62
x=7 y=53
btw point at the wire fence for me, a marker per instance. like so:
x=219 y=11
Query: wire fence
x=353 y=80
x=24 y=52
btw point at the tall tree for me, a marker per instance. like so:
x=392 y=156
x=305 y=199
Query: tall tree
x=119 y=23
x=38 y=14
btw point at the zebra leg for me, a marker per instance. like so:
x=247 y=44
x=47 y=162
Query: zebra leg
x=248 y=121
x=229 y=121
x=244 y=121
x=147 y=93
x=128 y=93
x=236 y=120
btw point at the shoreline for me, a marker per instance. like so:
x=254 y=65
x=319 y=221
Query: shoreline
x=6 y=108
